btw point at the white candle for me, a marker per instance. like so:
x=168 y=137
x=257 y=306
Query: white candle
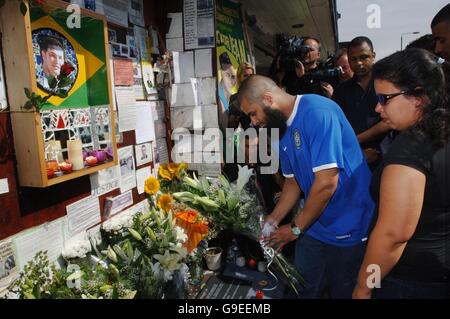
x=55 y=150
x=74 y=149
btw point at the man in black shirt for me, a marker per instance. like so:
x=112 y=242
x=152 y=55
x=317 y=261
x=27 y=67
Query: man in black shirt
x=357 y=99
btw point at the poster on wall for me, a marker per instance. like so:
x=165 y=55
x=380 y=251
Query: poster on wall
x=231 y=50
x=198 y=24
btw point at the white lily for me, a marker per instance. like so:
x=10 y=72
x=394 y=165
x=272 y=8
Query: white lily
x=244 y=175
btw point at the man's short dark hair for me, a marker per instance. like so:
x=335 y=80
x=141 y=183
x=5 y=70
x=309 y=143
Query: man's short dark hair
x=442 y=16
x=425 y=42
x=359 y=41
x=46 y=41
x=339 y=54
x=224 y=59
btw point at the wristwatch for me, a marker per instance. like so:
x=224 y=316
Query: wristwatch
x=296 y=230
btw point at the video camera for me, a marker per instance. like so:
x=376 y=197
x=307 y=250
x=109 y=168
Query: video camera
x=293 y=50
x=328 y=73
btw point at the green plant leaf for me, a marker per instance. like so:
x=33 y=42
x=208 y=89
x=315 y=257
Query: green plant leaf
x=23 y=8
x=52 y=82
x=61 y=93
x=28 y=105
x=27 y=92
x=64 y=82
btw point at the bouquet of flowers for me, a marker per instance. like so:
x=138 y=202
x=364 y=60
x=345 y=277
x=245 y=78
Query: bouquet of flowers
x=150 y=253
x=231 y=206
x=41 y=279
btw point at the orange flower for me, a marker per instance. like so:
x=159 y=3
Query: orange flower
x=190 y=216
x=164 y=172
x=165 y=202
x=151 y=185
x=194 y=225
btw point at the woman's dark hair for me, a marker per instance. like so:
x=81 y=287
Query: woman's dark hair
x=417 y=70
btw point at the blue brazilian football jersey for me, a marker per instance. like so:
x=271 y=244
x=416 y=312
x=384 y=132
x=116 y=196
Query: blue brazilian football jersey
x=319 y=137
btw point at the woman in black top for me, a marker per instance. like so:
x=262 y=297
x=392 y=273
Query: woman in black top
x=409 y=248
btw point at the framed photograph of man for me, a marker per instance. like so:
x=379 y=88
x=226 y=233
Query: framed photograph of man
x=143 y=153
x=51 y=51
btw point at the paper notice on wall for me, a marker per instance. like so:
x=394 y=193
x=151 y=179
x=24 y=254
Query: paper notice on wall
x=207 y=91
x=9 y=268
x=114 y=205
x=4 y=187
x=175 y=21
x=198 y=24
x=183 y=66
x=47 y=237
x=148 y=77
x=163 y=152
x=210 y=117
x=159 y=112
x=182 y=117
x=136 y=12
x=111 y=75
x=3 y=103
x=145 y=129
x=141 y=41
x=155 y=41
x=105 y=181
x=141 y=175
x=123 y=72
x=182 y=95
x=175 y=44
x=83 y=214
x=116 y=11
x=160 y=129
x=127 y=168
x=126 y=104
x=203 y=63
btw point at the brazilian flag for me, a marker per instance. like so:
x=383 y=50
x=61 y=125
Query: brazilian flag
x=90 y=87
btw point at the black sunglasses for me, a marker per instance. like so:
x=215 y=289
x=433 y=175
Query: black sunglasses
x=384 y=98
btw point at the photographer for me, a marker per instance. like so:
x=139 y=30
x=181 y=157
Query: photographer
x=305 y=74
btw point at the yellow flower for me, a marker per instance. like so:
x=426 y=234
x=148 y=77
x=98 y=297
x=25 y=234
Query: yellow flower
x=164 y=172
x=182 y=167
x=165 y=202
x=173 y=167
x=151 y=185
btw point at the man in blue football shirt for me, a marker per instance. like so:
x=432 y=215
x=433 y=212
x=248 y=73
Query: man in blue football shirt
x=320 y=155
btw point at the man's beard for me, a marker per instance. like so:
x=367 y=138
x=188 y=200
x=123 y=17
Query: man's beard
x=275 y=119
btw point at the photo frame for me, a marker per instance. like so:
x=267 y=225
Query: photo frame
x=51 y=50
x=143 y=153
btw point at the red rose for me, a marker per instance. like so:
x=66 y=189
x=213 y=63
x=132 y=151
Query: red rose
x=39 y=2
x=66 y=69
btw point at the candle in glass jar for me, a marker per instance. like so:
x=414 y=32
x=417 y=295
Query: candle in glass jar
x=74 y=149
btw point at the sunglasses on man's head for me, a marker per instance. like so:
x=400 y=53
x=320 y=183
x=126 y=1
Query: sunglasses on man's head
x=384 y=98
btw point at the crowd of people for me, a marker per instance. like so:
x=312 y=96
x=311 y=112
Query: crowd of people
x=369 y=156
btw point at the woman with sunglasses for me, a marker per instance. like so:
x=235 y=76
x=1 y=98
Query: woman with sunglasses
x=409 y=247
